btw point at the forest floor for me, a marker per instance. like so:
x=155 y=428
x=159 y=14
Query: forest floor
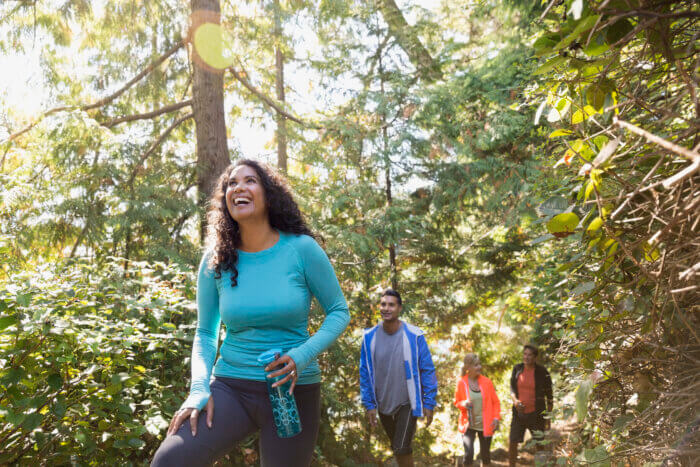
x=557 y=436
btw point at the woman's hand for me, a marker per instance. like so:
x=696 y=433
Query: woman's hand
x=193 y=414
x=289 y=369
x=495 y=424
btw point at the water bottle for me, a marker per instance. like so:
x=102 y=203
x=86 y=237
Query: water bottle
x=284 y=407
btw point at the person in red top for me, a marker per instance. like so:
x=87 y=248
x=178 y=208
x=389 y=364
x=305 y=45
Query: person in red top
x=479 y=409
x=531 y=391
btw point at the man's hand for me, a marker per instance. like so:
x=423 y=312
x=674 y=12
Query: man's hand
x=428 y=417
x=372 y=417
x=519 y=406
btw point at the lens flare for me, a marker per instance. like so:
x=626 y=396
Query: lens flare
x=212 y=46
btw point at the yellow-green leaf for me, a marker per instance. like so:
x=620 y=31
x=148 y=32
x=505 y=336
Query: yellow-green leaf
x=651 y=253
x=595 y=224
x=560 y=132
x=564 y=222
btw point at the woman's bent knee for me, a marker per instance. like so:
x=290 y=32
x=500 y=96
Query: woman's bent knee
x=177 y=451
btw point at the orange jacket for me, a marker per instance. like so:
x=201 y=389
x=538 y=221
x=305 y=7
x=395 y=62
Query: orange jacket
x=491 y=406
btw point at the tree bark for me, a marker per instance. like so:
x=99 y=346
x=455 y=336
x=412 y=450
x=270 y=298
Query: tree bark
x=409 y=41
x=387 y=174
x=208 y=110
x=279 y=84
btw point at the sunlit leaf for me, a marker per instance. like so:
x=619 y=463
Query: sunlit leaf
x=582 y=394
x=564 y=222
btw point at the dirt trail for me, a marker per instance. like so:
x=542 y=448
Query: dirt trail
x=499 y=457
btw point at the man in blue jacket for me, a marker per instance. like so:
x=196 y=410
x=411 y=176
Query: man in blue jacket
x=397 y=377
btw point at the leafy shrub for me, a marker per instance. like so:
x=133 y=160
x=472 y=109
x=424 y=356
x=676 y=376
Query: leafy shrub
x=93 y=361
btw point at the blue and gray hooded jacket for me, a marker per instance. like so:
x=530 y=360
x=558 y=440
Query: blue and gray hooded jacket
x=420 y=371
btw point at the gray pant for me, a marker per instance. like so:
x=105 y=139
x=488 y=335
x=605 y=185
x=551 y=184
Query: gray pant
x=242 y=407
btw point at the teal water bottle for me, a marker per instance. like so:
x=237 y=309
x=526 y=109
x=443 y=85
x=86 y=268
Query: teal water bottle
x=284 y=407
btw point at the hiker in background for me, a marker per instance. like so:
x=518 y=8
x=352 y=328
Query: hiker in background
x=397 y=377
x=531 y=391
x=479 y=410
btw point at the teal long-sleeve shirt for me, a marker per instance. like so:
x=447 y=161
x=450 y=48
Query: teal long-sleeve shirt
x=268 y=308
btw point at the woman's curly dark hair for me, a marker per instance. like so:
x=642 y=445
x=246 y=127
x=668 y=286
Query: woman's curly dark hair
x=223 y=234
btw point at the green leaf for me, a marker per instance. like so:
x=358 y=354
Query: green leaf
x=651 y=253
x=584 y=25
x=553 y=206
x=564 y=222
x=13 y=376
x=24 y=299
x=617 y=31
x=136 y=443
x=59 y=409
x=545 y=44
x=595 y=96
x=55 y=381
x=550 y=65
x=582 y=394
x=597 y=457
x=593 y=50
x=583 y=288
x=622 y=421
x=32 y=421
x=7 y=321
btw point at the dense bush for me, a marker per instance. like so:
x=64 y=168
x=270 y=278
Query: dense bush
x=92 y=361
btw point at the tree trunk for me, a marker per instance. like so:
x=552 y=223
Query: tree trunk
x=387 y=177
x=208 y=110
x=408 y=40
x=279 y=83
x=389 y=201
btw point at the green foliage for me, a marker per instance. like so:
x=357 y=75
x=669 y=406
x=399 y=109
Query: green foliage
x=602 y=65
x=570 y=232
x=92 y=361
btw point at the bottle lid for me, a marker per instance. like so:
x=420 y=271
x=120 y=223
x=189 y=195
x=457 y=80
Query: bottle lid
x=269 y=356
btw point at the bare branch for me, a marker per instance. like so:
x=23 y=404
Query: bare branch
x=136 y=78
x=680 y=150
x=146 y=115
x=103 y=101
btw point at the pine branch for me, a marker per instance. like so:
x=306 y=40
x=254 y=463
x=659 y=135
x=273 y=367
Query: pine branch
x=146 y=115
x=155 y=145
x=136 y=78
x=105 y=100
x=240 y=77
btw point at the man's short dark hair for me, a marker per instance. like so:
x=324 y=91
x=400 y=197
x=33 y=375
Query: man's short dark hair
x=392 y=293
x=532 y=347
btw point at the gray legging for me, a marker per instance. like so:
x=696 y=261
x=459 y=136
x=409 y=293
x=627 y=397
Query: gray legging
x=242 y=407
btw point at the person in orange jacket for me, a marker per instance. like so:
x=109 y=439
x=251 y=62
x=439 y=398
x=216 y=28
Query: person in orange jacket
x=479 y=409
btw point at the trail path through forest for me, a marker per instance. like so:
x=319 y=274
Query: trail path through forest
x=559 y=435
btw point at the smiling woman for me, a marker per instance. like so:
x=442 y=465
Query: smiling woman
x=257 y=237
